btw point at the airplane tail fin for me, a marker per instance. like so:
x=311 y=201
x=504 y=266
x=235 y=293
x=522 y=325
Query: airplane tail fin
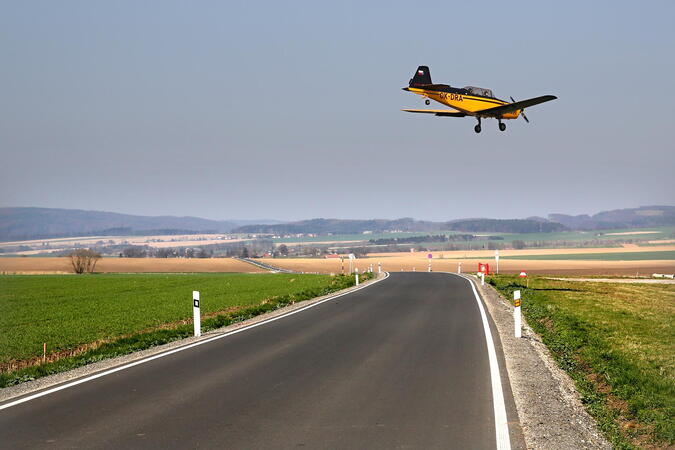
x=422 y=76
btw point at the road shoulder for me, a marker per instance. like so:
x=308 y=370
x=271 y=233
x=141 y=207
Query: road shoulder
x=550 y=410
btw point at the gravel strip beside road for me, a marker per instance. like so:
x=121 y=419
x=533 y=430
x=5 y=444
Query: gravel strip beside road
x=550 y=410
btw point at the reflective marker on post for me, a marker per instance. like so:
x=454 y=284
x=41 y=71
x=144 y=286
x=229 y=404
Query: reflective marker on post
x=195 y=313
x=516 y=313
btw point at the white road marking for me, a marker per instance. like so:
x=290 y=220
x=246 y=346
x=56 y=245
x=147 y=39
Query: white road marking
x=179 y=349
x=501 y=422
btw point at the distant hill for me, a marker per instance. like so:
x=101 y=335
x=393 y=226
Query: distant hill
x=644 y=216
x=37 y=223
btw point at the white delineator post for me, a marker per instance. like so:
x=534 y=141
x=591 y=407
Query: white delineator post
x=379 y=267
x=356 y=274
x=497 y=260
x=195 y=313
x=482 y=278
x=459 y=268
x=516 y=314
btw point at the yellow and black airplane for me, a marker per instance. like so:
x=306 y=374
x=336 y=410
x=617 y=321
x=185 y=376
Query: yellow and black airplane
x=468 y=101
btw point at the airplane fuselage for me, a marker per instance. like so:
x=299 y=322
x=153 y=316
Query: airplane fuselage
x=463 y=101
x=473 y=101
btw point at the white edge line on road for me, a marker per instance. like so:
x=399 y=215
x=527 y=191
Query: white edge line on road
x=501 y=422
x=179 y=349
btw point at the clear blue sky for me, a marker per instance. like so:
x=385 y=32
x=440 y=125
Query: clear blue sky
x=291 y=110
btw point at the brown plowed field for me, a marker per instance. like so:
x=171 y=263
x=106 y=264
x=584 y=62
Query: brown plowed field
x=449 y=261
x=442 y=261
x=529 y=251
x=127 y=265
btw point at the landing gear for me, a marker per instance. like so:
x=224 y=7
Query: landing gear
x=502 y=126
x=477 y=127
x=427 y=102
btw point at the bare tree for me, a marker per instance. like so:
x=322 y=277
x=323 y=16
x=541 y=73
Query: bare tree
x=84 y=260
x=518 y=244
x=204 y=253
x=135 y=252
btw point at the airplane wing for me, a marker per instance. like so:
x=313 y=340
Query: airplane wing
x=512 y=107
x=438 y=112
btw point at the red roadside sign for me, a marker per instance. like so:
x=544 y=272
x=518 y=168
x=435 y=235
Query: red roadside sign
x=523 y=274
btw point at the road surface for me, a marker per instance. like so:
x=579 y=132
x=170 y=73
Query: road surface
x=400 y=364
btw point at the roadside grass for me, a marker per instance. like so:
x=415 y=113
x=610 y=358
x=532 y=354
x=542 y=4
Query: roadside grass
x=88 y=318
x=624 y=256
x=617 y=342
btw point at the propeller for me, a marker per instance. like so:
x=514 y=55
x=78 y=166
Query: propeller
x=522 y=112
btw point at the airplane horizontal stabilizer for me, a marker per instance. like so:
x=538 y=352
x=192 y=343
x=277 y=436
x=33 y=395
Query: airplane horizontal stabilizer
x=515 y=106
x=437 y=112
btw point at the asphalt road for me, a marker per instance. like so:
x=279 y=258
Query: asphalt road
x=400 y=364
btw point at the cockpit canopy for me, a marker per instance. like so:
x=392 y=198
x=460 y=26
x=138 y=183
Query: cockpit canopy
x=479 y=91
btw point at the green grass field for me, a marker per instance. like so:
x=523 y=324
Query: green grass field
x=623 y=256
x=359 y=237
x=617 y=341
x=580 y=236
x=68 y=310
x=659 y=244
x=570 y=237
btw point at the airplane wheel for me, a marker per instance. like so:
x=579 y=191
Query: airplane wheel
x=476 y=128
x=502 y=127
x=427 y=102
